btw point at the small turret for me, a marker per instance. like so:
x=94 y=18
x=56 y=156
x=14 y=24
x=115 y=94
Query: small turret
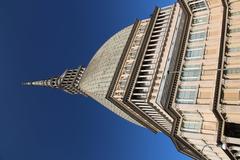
x=69 y=81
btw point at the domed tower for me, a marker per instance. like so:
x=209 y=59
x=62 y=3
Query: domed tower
x=94 y=81
x=129 y=74
x=124 y=73
x=171 y=73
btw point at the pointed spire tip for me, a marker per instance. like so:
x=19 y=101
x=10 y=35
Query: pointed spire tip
x=26 y=83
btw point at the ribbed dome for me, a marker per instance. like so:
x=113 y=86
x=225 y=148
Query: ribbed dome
x=100 y=71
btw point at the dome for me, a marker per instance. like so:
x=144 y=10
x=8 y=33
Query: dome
x=98 y=75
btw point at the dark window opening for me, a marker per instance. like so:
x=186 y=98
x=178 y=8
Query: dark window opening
x=142 y=79
x=144 y=73
x=139 y=91
x=232 y=130
x=145 y=67
x=141 y=85
x=149 y=57
x=154 y=38
x=147 y=62
x=138 y=97
x=150 y=52
x=152 y=47
x=157 y=29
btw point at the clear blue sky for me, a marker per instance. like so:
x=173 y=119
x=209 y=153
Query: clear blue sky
x=39 y=39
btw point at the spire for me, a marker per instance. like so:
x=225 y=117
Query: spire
x=69 y=81
x=43 y=83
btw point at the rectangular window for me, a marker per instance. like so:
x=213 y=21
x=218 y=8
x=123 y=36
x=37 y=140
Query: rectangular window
x=232 y=71
x=191 y=126
x=186 y=94
x=192 y=121
x=232 y=130
x=197 y=6
x=197 y=36
x=234 y=30
x=194 y=53
x=235 y=13
x=234 y=49
x=191 y=73
x=200 y=20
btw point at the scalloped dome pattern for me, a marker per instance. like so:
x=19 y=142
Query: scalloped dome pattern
x=100 y=71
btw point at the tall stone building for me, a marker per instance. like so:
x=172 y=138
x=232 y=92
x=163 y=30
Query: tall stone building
x=177 y=72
